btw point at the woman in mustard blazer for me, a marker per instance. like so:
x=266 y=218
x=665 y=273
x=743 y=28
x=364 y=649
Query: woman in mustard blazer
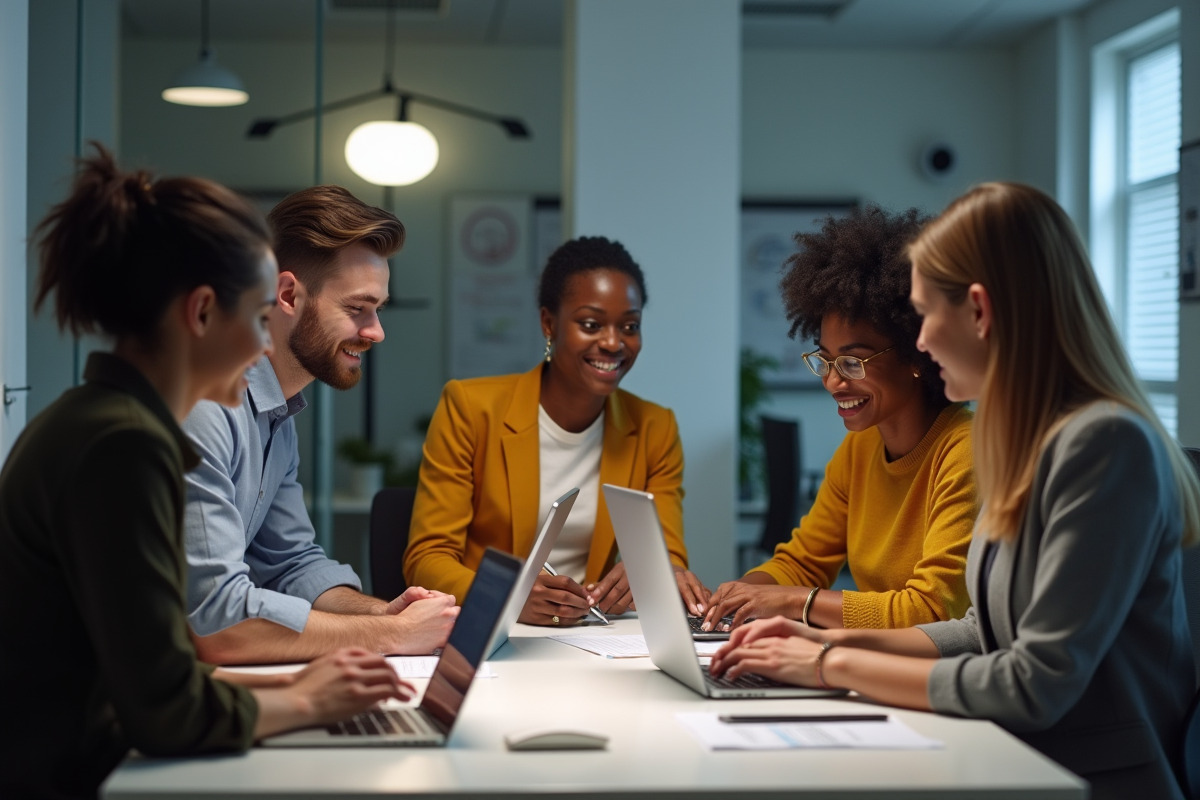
x=499 y=449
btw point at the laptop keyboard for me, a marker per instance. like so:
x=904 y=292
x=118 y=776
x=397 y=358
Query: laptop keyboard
x=374 y=723
x=695 y=622
x=747 y=680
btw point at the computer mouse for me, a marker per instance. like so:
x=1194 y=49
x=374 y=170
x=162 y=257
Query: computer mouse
x=555 y=739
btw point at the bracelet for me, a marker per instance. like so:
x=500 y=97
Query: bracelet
x=825 y=648
x=808 y=605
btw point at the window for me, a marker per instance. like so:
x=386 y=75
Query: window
x=1135 y=203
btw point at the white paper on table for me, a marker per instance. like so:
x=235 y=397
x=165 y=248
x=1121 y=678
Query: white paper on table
x=621 y=645
x=409 y=667
x=893 y=734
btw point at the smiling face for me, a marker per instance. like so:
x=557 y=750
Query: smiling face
x=596 y=332
x=240 y=338
x=337 y=325
x=954 y=334
x=889 y=396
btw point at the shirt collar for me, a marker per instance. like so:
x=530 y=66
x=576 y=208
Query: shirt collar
x=115 y=372
x=266 y=395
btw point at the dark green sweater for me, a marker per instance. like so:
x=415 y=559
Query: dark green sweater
x=95 y=655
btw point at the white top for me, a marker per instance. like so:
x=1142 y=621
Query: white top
x=570 y=460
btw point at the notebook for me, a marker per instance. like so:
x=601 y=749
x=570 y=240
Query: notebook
x=661 y=612
x=430 y=723
x=542 y=546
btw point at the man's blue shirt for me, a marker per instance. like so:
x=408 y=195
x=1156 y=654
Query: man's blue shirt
x=251 y=548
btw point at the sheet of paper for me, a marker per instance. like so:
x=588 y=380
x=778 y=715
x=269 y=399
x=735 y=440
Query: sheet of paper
x=893 y=734
x=422 y=667
x=622 y=645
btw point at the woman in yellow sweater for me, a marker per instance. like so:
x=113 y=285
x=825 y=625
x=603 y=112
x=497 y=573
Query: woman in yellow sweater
x=898 y=500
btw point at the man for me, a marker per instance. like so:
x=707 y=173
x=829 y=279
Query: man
x=260 y=589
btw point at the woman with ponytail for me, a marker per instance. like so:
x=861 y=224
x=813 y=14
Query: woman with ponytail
x=179 y=275
x=1078 y=638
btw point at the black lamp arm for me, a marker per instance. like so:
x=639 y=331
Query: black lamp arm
x=515 y=128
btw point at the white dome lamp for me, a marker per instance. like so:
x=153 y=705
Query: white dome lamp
x=396 y=153
x=206 y=83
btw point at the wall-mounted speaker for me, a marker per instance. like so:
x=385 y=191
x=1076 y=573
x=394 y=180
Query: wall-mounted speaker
x=938 y=161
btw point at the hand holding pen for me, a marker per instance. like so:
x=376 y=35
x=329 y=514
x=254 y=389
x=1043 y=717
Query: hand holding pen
x=591 y=609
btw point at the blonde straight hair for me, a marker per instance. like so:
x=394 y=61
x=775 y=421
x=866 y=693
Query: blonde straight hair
x=1053 y=347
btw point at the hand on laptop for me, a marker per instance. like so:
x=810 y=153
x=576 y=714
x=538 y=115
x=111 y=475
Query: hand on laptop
x=777 y=648
x=331 y=688
x=746 y=601
x=555 y=600
x=411 y=595
x=694 y=593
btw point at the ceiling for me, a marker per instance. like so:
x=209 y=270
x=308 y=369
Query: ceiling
x=523 y=23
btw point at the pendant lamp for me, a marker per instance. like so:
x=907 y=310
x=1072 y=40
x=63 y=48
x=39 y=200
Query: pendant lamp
x=394 y=152
x=206 y=83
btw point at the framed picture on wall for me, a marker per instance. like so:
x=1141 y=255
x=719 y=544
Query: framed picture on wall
x=768 y=235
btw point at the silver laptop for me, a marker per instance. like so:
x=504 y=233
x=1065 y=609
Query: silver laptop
x=430 y=724
x=542 y=546
x=661 y=610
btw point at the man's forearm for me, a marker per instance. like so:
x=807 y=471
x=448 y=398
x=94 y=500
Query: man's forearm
x=344 y=600
x=259 y=641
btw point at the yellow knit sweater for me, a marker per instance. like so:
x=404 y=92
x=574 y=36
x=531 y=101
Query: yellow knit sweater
x=903 y=526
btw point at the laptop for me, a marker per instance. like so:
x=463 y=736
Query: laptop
x=661 y=611
x=542 y=546
x=430 y=723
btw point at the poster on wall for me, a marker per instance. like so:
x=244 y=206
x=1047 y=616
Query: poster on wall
x=768 y=231
x=1189 y=221
x=493 y=321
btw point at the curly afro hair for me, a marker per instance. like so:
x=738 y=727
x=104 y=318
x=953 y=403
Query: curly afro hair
x=585 y=254
x=857 y=267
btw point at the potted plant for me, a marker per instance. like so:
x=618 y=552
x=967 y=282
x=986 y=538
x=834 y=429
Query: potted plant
x=368 y=465
x=752 y=391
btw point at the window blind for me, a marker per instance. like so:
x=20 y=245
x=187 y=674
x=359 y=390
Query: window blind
x=1152 y=216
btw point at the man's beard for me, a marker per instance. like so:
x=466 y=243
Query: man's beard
x=318 y=352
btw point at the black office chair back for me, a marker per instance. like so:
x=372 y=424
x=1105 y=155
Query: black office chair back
x=781 y=448
x=391 y=513
x=1190 y=760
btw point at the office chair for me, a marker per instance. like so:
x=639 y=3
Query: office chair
x=785 y=494
x=1190 y=742
x=391 y=512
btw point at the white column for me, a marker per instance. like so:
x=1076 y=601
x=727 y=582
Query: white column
x=14 y=81
x=652 y=158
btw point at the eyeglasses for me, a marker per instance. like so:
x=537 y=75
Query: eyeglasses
x=851 y=368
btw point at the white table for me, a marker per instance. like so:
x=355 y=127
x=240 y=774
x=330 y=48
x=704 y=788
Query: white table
x=542 y=682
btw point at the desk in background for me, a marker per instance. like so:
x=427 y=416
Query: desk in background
x=541 y=682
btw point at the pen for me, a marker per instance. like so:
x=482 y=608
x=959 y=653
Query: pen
x=550 y=571
x=807 y=718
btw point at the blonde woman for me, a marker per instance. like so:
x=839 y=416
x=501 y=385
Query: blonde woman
x=1078 y=639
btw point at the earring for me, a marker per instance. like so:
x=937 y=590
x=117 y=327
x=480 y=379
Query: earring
x=549 y=344
x=916 y=373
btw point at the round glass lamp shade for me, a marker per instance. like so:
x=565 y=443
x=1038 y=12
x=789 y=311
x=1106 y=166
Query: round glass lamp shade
x=391 y=153
x=206 y=83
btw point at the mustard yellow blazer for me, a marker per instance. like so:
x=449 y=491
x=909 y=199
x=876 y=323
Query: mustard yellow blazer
x=479 y=480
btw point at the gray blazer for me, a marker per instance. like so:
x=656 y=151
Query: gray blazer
x=1092 y=659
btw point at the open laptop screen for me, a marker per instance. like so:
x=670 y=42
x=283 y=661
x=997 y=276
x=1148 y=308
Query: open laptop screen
x=460 y=659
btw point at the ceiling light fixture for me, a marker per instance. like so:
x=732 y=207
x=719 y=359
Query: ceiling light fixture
x=387 y=152
x=206 y=83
